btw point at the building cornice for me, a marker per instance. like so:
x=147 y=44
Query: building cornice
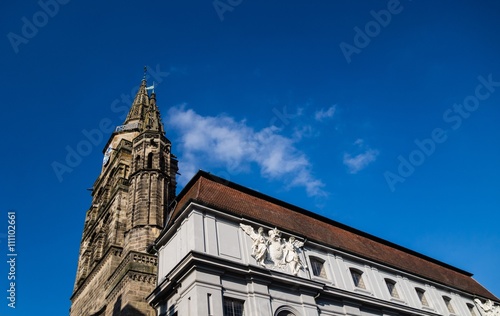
x=216 y=265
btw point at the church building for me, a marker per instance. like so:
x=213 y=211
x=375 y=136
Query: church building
x=221 y=249
x=129 y=202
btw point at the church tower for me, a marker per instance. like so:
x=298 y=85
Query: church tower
x=130 y=202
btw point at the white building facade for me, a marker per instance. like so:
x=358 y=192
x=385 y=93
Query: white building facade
x=230 y=251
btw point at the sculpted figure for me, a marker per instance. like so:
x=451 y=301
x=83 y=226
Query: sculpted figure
x=259 y=245
x=291 y=255
x=488 y=307
x=276 y=247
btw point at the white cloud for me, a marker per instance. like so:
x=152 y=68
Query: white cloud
x=359 y=142
x=356 y=163
x=324 y=114
x=208 y=141
x=304 y=131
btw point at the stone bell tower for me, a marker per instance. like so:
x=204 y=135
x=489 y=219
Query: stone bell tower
x=130 y=202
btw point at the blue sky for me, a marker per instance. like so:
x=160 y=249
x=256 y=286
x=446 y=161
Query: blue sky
x=382 y=115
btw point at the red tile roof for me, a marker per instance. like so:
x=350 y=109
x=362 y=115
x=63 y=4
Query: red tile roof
x=219 y=193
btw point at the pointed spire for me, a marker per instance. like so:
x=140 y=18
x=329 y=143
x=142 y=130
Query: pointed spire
x=141 y=101
x=144 y=110
x=153 y=119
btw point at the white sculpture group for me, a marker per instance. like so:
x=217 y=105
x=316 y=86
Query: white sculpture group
x=272 y=249
x=488 y=307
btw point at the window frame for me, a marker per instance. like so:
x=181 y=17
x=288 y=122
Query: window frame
x=471 y=307
x=394 y=293
x=359 y=283
x=424 y=302
x=150 y=161
x=314 y=261
x=448 y=304
x=287 y=309
x=226 y=299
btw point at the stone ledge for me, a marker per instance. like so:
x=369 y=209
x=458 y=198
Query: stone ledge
x=113 y=251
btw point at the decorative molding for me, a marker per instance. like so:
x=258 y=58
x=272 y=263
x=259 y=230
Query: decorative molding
x=145 y=259
x=125 y=272
x=272 y=251
x=286 y=310
x=141 y=277
x=135 y=257
x=131 y=276
x=112 y=251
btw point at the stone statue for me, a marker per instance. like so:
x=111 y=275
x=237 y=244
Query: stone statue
x=259 y=245
x=488 y=307
x=276 y=247
x=272 y=249
x=291 y=255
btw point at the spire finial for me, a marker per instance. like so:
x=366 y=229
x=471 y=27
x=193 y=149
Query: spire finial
x=145 y=71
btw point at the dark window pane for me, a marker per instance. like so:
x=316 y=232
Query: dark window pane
x=318 y=267
x=233 y=307
x=357 y=278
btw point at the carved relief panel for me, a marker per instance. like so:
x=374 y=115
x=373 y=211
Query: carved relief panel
x=272 y=251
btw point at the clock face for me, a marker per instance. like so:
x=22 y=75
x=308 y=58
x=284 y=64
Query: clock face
x=107 y=153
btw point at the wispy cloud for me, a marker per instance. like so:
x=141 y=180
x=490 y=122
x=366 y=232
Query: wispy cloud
x=357 y=162
x=221 y=141
x=304 y=131
x=322 y=114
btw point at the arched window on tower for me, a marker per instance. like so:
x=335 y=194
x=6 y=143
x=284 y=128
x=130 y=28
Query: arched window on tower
x=150 y=160
x=137 y=161
x=99 y=246
x=162 y=163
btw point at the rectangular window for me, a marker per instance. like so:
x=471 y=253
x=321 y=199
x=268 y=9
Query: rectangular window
x=471 y=309
x=233 y=307
x=318 y=267
x=357 y=278
x=391 y=286
x=421 y=297
x=447 y=302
